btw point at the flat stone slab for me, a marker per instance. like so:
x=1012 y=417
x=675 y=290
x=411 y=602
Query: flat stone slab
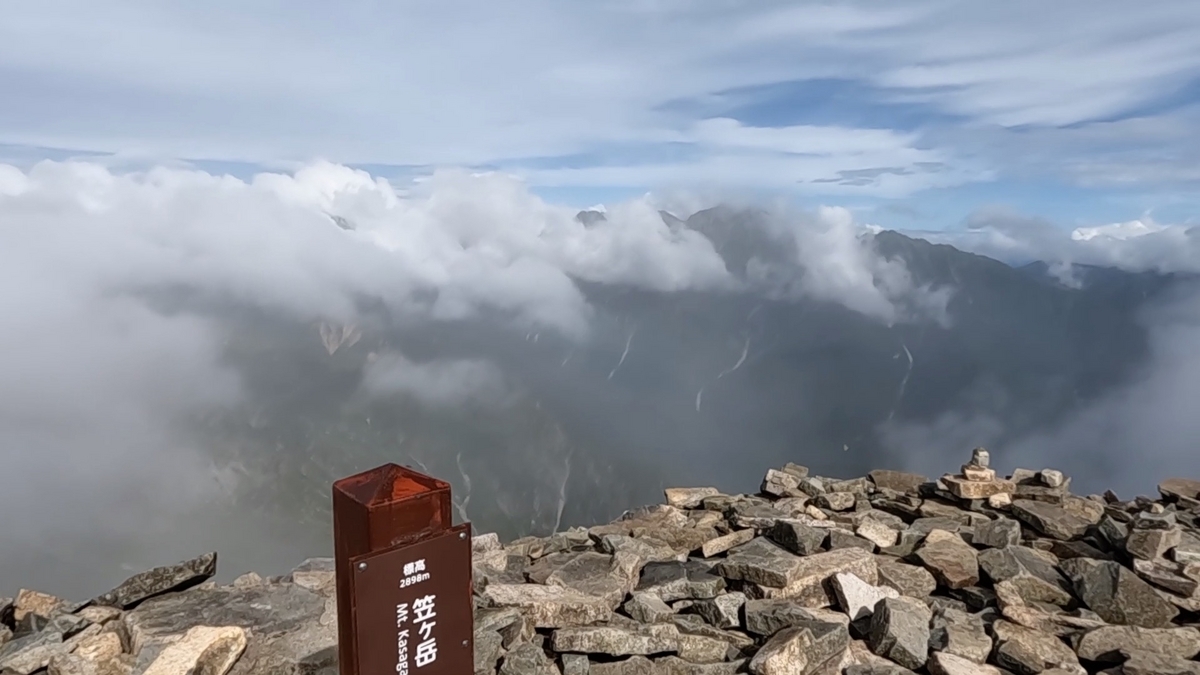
x=761 y=562
x=812 y=584
x=549 y=606
x=616 y=640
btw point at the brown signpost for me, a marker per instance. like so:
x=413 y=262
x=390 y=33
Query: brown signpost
x=403 y=576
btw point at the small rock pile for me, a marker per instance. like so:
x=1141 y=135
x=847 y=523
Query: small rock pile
x=886 y=574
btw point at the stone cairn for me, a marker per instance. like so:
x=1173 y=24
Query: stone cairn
x=886 y=574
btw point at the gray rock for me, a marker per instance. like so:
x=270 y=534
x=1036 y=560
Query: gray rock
x=766 y=617
x=290 y=628
x=1152 y=544
x=498 y=567
x=31 y=653
x=726 y=542
x=876 y=669
x=900 y=631
x=976 y=598
x=836 y=501
x=1168 y=576
x=1113 y=532
x=527 y=659
x=899 y=481
x=857 y=486
x=483 y=543
x=857 y=598
x=998 y=533
x=543 y=567
x=1106 y=643
x=1053 y=521
x=760 y=562
x=488 y=646
x=924 y=526
x=753 y=514
x=1033 y=573
x=780 y=483
x=1186 y=488
x=961 y=634
x=812 y=585
x=647 y=608
x=800 y=650
x=702 y=649
x=644 y=548
x=812 y=486
x=202 y=649
x=34 y=602
x=674 y=665
x=617 y=640
x=634 y=665
x=610 y=577
x=68 y=625
x=1117 y=594
x=877 y=532
x=1051 y=478
x=722 y=611
x=549 y=606
x=842 y=539
x=690 y=498
x=950 y=559
x=1140 y=662
x=160 y=580
x=573 y=664
x=674 y=580
x=690 y=624
x=1029 y=651
x=798 y=537
x=944 y=663
x=1150 y=520
x=910 y=580
x=1188 y=550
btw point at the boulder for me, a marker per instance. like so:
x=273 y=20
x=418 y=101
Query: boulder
x=900 y=631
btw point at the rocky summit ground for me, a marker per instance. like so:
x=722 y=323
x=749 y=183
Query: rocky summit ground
x=886 y=574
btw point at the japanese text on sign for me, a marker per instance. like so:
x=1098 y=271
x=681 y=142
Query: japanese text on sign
x=424 y=610
x=414 y=573
x=423 y=613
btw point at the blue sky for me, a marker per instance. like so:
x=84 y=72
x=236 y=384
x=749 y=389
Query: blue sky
x=914 y=114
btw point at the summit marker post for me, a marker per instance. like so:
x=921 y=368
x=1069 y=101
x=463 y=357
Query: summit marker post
x=404 y=594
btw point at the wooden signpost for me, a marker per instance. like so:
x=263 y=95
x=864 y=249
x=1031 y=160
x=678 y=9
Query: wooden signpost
x=403 y=576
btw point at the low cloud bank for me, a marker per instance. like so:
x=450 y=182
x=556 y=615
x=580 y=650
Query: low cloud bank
x=127 y=356
x=1137 y=245
x=115 y=343
x=1130 y=437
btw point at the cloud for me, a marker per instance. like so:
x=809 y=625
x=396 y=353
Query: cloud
x=114 y=353
x=344 y=85
x=118 y=289
x=1138 y=245
x=1127 y=440
x=804 y=158
x=441 y=382
x=1128 y=437
x=1144 y=431
x=831 y=257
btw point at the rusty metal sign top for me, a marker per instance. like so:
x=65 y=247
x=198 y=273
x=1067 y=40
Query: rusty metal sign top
x=413 y=607
x=403 y=576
